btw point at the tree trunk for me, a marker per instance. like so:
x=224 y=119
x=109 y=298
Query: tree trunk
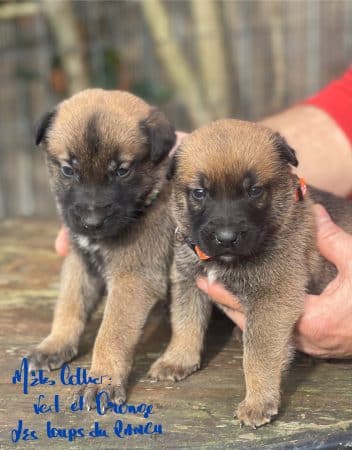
x=174 y=61
x=61 y=18
x=211 y=55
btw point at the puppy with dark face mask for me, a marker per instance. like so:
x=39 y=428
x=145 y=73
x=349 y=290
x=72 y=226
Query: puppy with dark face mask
x=245 y=220
x=107 y=156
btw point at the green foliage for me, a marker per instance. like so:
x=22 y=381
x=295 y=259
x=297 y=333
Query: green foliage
x=152 y=92
x=109 y=72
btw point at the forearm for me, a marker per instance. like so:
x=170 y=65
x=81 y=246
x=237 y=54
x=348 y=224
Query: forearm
x=323 y=149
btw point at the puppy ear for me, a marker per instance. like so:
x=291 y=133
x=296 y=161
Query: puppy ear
x=160 y=134
x=286 y=152
x=43 y=126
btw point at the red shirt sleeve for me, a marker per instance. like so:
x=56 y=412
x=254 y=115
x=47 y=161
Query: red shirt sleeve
x=336 y=100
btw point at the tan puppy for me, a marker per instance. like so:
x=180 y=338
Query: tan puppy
x=107 y=157
x=245 y=220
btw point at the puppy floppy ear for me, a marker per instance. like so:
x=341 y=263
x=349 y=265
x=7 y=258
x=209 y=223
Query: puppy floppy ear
x=160 y=134
x=286 y=152
x=43 y=125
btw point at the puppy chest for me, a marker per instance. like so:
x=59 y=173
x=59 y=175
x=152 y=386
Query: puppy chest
x=95 y=263
x=234 y=281
x=92 y=256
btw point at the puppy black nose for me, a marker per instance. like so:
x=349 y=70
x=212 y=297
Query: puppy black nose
x=226 y=236
x=92 y=220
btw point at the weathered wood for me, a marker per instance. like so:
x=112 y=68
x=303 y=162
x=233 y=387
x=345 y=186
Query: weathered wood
x=275 y=54
x=195 y=413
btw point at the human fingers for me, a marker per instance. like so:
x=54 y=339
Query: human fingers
x=62 y=244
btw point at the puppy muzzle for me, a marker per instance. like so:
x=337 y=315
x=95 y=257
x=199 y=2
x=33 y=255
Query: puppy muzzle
x=228 y=241
x=90 y=220
x=226 y=237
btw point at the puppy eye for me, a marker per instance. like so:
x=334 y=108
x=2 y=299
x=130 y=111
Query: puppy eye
x=255 y=191
x=199 y=194
x=123 y=171
x=67 y=171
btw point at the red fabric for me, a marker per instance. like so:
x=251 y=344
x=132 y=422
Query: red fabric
x=336 y=100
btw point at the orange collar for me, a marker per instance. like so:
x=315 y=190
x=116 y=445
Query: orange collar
x=201 y=255
x=301 y=190
x=182 y=238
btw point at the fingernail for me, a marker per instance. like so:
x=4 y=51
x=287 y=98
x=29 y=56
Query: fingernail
x=321 y=215
x=202 y=284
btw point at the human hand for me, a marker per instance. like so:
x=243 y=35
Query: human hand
x=62 y=242
x=325 y=327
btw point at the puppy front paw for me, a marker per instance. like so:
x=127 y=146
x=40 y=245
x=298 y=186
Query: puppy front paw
x=47 y=360
x=256 y=415
x=164 y=370
x=101 y=396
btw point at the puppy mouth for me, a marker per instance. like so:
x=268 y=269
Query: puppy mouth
x=215 y=253
x=243 y=245
x=227 y=258
x=227 y=255
x=109 y=226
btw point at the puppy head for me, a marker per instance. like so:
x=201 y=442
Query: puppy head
x=233 y=187
x=105 y=152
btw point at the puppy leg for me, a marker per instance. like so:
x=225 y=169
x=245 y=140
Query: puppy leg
x=129 y=302
x=267 y=352
x=79 y=293
x=190 y=312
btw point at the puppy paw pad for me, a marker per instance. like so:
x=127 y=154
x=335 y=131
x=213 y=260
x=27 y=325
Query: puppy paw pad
x=103 y=394
x=256 y=416
x=162 y=371
x=50 y=361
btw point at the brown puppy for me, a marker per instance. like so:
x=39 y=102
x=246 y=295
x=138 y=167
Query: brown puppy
x=238 y=205
x=107 y=157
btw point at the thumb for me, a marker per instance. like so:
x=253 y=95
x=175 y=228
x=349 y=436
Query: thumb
x=217 y=292
x=62 y=242
x=333 y=243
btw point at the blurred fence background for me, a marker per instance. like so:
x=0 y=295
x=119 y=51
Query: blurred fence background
x=197 y=59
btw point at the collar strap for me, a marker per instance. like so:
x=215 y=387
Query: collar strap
x=180 y=237
x=301 y=190
x=201 y=255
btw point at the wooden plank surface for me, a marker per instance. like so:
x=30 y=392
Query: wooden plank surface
x=196 y=413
